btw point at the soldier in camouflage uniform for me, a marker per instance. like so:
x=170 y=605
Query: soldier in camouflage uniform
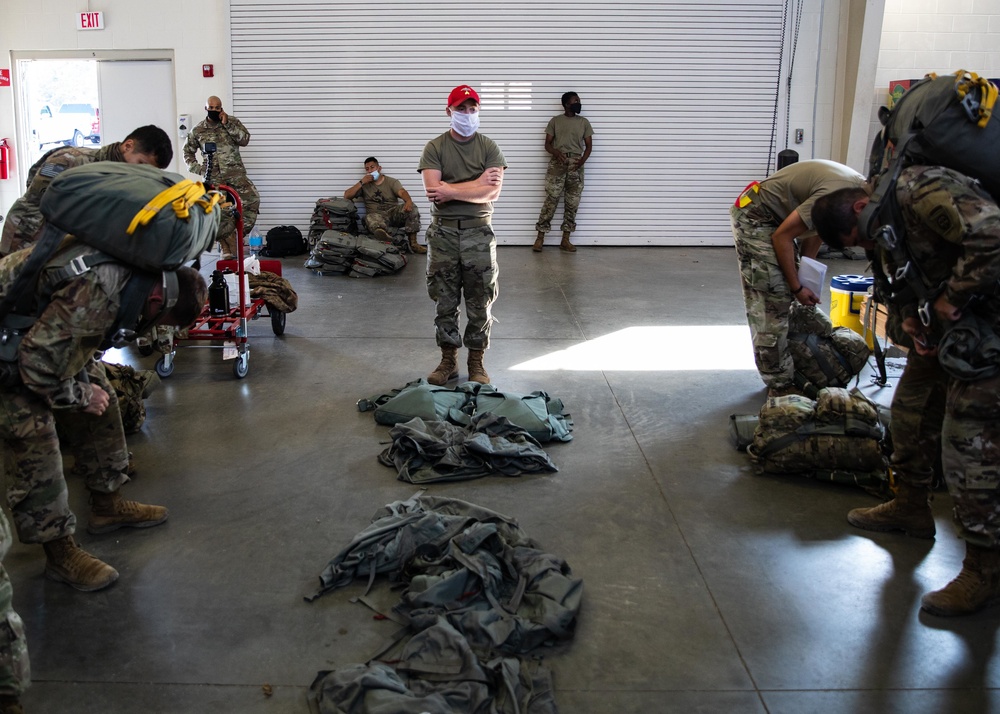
x=228 y=134
x=952 y=232
x=57 y=381
x=383 y=210
x=15 y=669
x=146 y=145
x=569 y=139
x=462 y=172
x=771 y=226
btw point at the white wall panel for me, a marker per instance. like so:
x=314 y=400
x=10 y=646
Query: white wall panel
x=681 y=96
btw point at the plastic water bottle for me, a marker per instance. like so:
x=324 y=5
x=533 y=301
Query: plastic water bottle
x=256 y=242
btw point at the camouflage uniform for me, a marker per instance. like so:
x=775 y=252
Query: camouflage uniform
x=767 y=295
x=15 y=670
x=461 y=244
x=60 y=345
x=24 y=220
x=560 y=179
x=953 y=234
x=228 y=169
x=384 y=212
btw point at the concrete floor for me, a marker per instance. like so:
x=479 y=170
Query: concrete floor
x=707 y=588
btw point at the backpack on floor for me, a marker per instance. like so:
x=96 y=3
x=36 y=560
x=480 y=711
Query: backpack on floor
x=282 y=241
x=824 y=356
x=838 y=437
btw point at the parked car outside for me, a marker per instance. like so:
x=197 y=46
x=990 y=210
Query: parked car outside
x=73 y=125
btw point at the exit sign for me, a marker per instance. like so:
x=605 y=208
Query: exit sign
x=90 y=21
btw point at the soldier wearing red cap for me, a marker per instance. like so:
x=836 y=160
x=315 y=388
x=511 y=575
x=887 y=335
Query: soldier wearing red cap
x=463 y=174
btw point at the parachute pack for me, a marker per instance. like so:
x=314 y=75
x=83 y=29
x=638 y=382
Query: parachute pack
x=134 y=214
x=940 y=121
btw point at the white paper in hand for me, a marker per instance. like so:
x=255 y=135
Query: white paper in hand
x=812 y=274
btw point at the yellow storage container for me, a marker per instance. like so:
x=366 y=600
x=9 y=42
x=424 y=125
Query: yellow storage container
x=846 y=295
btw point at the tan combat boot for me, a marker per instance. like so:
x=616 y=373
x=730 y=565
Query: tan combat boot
x=909 y=512
x=539 y=242
x=566 y=245
x=416 y=247
x=448 y=369
x=977 y=586
x=66 y=562
x=109 y=512
x=477 y=373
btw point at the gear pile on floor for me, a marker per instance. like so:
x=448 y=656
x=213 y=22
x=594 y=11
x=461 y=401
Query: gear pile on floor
x=467 y=432
x=480 y=600
x=339 y=253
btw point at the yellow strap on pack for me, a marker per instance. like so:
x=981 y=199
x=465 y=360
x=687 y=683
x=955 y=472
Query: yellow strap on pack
x=966 y=82
x=180 y=197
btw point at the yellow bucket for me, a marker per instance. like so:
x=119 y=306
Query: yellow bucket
x=846 y=294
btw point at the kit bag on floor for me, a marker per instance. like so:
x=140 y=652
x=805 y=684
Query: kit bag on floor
x=824 y=356
x=419 y=399
x=283 y=241
x=838 y=437
x=138 y=214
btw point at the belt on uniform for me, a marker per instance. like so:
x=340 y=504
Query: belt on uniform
x=746 y=198
x=463 y=223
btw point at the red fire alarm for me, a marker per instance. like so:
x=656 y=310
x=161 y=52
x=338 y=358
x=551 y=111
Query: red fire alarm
x=207 y=70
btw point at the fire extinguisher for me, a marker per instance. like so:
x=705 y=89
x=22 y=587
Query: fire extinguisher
x=4 y=159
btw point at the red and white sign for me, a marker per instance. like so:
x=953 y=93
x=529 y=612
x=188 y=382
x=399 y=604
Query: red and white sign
x=90 y=21
x=4 y=77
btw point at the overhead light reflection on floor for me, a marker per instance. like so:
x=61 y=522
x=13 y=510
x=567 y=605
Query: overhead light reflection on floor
x=655 y=348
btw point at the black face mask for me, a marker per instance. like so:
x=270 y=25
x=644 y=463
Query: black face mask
x=575 y=107
x=215 y=116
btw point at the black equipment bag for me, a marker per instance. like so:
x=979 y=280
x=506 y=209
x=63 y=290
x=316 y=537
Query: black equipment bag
x=284 y=241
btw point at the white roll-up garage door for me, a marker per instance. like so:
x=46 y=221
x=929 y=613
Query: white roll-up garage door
x=681 y=96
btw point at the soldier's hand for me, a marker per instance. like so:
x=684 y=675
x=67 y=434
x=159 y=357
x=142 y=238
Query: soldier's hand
x=918 y=333
x=408 y=206
x=223 y=117
x=99 y=401
x=367 y=178
x=807 y=297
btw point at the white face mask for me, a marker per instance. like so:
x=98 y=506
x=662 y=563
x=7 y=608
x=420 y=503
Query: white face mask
x=374 y=175
x=465 y=124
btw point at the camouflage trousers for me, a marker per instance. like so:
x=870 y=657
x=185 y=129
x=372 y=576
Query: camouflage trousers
x=15 y=670
x=917 y=413
x=561 y=182
x=970 y=456
x=33 y=434
x=767 y=298
x=250 y=198
x=462 y=262
x=395 y=217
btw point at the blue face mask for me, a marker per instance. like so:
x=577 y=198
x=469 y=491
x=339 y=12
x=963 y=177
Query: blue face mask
x=375 y=175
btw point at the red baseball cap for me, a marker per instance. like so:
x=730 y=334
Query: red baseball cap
x=460 y=93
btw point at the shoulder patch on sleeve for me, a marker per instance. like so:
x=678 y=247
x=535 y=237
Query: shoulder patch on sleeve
x=51 y=170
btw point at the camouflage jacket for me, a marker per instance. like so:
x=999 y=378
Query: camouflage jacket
x=24 y=220
x=67 y=334
x=953 y=235
x=229 y=137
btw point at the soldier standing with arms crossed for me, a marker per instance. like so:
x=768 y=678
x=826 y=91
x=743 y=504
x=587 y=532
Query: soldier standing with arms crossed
x=463 y=174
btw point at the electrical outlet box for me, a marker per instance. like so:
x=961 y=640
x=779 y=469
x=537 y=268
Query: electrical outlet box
x=799 y=135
